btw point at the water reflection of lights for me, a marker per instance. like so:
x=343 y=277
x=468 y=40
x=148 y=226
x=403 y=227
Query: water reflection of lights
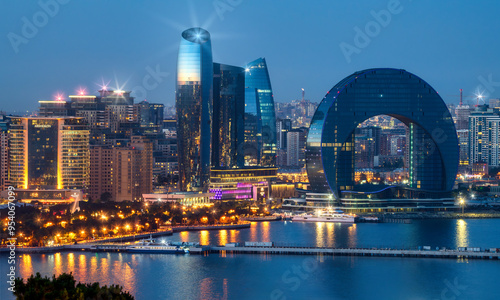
x=27 y=268
x=57 y=263
x=184 y=236
x=71 y=262
x=222 y=237
x=233 y=235
x=462 y=237
x=330 y=232
x=352 y=236
x=204 y=237
x=265 y=232
x=319 y=234
x=206 y=288
x=253 y=231
x=93 y=266
x=104 y=266
x=82 y=265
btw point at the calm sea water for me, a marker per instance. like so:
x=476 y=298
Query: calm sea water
x=294 y=277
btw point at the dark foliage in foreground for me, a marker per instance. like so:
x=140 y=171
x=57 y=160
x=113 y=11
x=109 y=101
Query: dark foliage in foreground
x=64 y=287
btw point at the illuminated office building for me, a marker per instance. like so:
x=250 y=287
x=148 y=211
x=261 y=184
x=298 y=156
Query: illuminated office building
x=49 y=153
x=228 y=123
x=54 y=108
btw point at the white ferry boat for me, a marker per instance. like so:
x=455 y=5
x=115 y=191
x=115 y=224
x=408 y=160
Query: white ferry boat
x=152 y=246
x=326 y=216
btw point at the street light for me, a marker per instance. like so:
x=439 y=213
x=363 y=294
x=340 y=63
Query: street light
x=462 y=203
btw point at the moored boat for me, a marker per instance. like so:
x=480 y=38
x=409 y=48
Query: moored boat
x=152 y=246
x=327 y=215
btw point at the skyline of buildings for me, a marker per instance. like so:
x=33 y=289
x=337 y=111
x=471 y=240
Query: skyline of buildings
x=226 y=121
x=225 y=114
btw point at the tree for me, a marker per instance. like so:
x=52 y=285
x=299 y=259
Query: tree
x=106 y=197
x=64 y=287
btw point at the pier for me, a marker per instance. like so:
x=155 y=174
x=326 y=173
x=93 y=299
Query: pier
x=376 y=252
x=270 y=249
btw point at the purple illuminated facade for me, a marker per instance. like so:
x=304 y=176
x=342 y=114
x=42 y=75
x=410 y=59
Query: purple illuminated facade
x=249 y=184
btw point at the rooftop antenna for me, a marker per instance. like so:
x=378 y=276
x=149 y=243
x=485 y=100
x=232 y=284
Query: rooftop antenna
x=303 y=94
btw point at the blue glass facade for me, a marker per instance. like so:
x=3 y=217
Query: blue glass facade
x=260 y=118
x=228 y=122
x=433 y=144
x=194 y=109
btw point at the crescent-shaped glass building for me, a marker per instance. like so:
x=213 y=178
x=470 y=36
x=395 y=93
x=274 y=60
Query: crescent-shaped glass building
x=432 y=140
x=193 y=98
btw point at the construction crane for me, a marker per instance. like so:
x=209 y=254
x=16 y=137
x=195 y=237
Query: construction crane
x=461 y=97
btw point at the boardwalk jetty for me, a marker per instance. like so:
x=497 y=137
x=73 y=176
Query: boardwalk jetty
x=467 y=253
x=492 y=253
x=270 y=248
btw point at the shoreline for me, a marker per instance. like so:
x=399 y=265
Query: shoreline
x=52 y=249
x=442 y=215
x=242 y=225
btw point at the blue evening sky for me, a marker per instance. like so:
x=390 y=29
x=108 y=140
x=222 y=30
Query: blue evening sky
x=450 y=44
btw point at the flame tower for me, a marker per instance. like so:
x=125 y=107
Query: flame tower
x=194 y=102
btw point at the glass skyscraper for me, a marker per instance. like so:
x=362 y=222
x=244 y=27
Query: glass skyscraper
x=194 y=109
x=433 y=145
x=228 y=122
x=260 y=118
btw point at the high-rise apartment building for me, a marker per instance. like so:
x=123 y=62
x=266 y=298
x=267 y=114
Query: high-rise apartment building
x=4 y=159
x=484 y=146
x=463 y=144
x=494 y=103
x=462 y=113
x=124 y=172
x=293 y=147
x=101 y=171
x=132 y=170
x=282 y=127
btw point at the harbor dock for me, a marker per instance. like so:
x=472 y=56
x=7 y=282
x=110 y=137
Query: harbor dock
x=376 y=252
x=270 y=249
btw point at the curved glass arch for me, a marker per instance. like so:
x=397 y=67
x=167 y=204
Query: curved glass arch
x=393 y=92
